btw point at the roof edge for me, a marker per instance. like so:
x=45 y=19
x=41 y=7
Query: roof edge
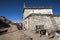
x=38 y=8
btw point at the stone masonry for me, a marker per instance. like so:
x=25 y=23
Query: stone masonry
x=40 y=16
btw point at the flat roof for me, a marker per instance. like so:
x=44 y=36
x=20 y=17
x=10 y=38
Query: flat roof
x=38 y=8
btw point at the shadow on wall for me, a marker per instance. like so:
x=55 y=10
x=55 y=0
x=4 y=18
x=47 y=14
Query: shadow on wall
x=3 y=27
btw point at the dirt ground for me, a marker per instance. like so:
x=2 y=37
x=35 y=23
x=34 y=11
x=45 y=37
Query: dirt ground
x=15 y=34
x=35 y=36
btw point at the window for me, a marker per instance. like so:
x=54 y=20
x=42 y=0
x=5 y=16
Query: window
x=40 y=27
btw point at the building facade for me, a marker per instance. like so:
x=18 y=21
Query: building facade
x=33 y=17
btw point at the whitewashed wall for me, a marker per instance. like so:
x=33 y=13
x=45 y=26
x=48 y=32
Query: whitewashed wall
x=40 y=20
x=25 y=23
x=41 y=11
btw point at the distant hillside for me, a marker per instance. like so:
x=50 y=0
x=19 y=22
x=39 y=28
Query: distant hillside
x=3 y=24
x=4 y=19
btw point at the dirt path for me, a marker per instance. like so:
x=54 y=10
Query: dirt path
x=14 y=34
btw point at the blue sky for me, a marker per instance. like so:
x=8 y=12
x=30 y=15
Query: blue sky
x=13 y=9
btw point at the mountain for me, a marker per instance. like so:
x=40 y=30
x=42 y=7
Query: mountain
x=4 y=19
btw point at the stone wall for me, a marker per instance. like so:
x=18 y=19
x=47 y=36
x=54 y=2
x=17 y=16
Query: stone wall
x=41 y=20
x=57 y=19
x=44 y=20
x=25 y=23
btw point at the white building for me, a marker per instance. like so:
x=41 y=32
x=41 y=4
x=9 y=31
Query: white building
x=36 y=16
